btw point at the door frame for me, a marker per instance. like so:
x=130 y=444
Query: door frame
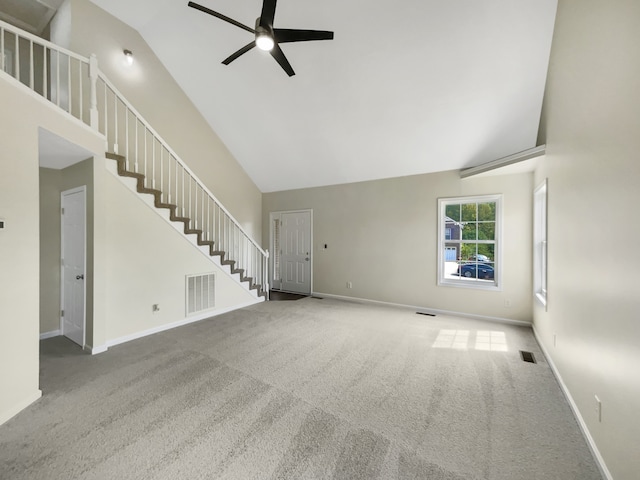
x=272 y=217
x=71 y=191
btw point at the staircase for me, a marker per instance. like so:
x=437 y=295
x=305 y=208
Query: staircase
x=76 y=85
x=201 y=235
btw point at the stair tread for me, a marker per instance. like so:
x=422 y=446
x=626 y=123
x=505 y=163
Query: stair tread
x=141 y=188
x=114 y=156
x=127 y=173
x=152 y=191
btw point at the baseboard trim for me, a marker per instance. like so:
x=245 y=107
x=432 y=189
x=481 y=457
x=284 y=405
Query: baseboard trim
x=574 y=408
x=179 y=323
x=96 y=350
x=16 y=409
x=509 y=321
x=51 y=334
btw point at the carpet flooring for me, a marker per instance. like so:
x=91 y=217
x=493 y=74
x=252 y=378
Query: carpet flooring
x=309 y=389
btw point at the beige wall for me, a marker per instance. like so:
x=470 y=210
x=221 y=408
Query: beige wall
x=147 y=261
x=155 y=94
x=382 y=236
x=590 y=123
x=19 y=280
x=49 y=250
x=19 y=241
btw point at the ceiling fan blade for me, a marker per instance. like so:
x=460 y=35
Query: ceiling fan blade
x=240 y=52
x=278 y=54
x=268 y=13
x=284 y=35
x=220 y=16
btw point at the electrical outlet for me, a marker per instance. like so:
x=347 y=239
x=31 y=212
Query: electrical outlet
x=155 y=307
x=555 y=339
x=349 y=285
x=598 y=408
x=507 y=303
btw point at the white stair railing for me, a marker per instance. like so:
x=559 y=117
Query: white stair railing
x=75 y=84
x=57 y=74
x=128 y=134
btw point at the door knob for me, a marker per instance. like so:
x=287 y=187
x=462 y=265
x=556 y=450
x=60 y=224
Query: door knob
x=80 y=277
x=307 y=259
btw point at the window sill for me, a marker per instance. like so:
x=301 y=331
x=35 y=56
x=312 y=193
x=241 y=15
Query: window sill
x=473 y=285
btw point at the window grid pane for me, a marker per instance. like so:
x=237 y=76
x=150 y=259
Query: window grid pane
x=468 y=241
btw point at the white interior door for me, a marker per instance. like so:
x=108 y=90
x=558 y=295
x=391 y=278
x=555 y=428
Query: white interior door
x=295 y=242
x=73 y=264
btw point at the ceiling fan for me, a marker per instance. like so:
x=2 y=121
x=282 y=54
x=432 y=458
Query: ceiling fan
x=266 y=37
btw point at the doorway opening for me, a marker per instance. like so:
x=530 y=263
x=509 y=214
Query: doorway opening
x=73 y=265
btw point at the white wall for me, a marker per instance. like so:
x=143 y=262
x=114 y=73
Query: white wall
x=19 y=241
x=154 y=93
x=591 y=125
x=382 y=236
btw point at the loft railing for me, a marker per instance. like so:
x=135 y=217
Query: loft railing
x=57 y=74
x=75 y=84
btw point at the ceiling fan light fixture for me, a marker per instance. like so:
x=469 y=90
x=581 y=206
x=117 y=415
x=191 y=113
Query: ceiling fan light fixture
x=266 y=37
x=264 y=41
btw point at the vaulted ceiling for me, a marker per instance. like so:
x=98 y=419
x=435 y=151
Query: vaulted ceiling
x=406 y=87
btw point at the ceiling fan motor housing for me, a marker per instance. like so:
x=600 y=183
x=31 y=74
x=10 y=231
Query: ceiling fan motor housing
x=266 y=37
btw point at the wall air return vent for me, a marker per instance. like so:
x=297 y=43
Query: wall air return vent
x=200 y=294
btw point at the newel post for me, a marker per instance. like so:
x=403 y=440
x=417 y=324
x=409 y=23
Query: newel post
x=93 y=76
x=265 y=273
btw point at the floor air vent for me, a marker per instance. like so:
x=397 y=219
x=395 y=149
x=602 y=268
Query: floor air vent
x=527 y=357
x=427 y=314
x=200 y=293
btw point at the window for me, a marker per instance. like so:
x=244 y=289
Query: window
x=540 y=243
x=469 y=241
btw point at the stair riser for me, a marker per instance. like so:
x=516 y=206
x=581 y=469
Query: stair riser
x=158 y=203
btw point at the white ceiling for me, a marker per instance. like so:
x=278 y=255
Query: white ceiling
x=58 y=153
x=30 y=15
x=406 y=87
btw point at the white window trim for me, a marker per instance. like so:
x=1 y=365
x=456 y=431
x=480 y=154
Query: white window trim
x=540 y=244
x=497 y=283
